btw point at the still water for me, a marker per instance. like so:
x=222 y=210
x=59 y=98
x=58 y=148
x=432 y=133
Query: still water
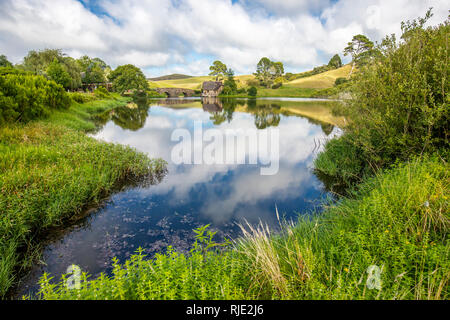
x=188 y=196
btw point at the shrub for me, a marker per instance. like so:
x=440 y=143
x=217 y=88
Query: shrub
x=341 y=161
x=340 y=81
x=79 y=97
x=277 y=85
x=101 y=93
x=400 y=102
x=26 y=97
x=252 y=91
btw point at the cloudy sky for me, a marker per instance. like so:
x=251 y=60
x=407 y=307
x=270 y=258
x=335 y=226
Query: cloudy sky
x=186 y=36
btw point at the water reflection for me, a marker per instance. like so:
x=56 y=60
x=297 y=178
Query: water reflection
x=189 y=196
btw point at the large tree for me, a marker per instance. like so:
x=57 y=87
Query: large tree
x=218 y=70
x=267 y=71
x=94 y=70
x=128 y=77
x=38 y=62
x=360 y=48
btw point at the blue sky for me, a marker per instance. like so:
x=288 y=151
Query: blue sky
x=186 y=36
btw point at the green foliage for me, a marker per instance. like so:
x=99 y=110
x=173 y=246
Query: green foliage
x=128 y=77
x=400 y=103
x=335 y=62
x=38 y=62
x=340 y=81
x=58 y=73
x=361 y=49
x=252 y=91
x=27 y=97
x=267 y=71
x=93 y=70
x=101 y=93
x=277 y=85
x=229 y=86
x=341 y=161
x=4 y=62
x=218 y=70
x=79 y=97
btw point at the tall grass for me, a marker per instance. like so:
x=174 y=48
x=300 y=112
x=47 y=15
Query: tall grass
x=397 y=220
x=49 y=172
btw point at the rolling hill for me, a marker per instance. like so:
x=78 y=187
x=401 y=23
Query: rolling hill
x=298 y=87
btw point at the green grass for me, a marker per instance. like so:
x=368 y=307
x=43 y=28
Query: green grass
x=398 y=220
x=50 y=171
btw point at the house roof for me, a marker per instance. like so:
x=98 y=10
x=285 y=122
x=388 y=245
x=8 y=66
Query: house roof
x=212 y=85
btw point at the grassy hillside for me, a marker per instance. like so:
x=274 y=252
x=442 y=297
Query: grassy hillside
x=304 y=87
x=174 y=76
x=195 y=82
x=322 y=80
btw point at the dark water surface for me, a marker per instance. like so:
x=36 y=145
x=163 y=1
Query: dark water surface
x=190 y=196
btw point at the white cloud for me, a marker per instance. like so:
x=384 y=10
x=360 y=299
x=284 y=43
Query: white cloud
x=162 y=34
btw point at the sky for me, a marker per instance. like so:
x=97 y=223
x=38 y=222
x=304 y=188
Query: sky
x=186 y=36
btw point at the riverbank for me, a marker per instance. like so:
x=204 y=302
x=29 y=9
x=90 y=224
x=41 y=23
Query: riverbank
x=50 y=171
x=384 y=224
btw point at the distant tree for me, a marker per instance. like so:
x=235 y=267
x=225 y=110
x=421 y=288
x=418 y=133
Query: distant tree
x=218 y=70
x=263 y=70
x=57 y=72
x=360 y=48
x=335 y=62
x=230 y=86
x=128 y=77
x=267 y=71
x=4 y=62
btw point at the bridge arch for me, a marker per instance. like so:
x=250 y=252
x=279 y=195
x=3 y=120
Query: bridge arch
x=176 y=92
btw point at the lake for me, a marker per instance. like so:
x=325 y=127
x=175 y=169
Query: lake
x=192 y=195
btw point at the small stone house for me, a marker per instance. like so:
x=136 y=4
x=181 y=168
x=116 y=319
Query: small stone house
x=212 y=88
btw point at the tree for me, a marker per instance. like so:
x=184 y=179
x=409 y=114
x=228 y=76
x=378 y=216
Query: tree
x=93 y=70
x=267 y=71
x=360 y=49
x=218 y=69
x=230 y=86
x=38 y=62
x=57 y=72
x=4 y=62
x=128 y=77
x=335 y=62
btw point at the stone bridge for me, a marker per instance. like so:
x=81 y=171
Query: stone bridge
x=176 y=92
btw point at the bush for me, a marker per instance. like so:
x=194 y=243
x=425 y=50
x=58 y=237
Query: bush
x=399 y=102
x=277 y=85
x=26 y=97
x=79 y=97
x=101 y=93
x=340 y=81
x=340 y=161
x=252 y=91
